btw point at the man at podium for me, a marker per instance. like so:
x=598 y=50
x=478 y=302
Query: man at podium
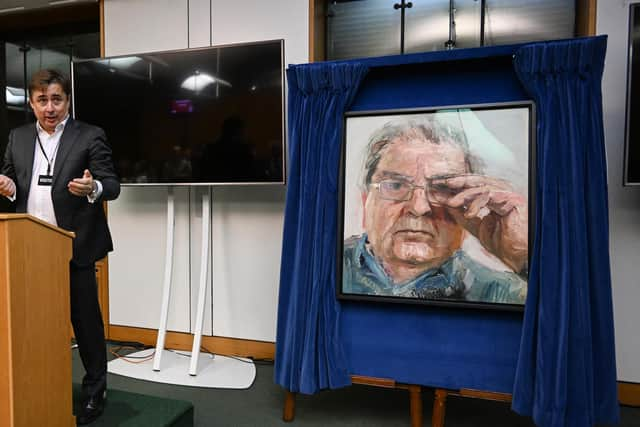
x=59 y=170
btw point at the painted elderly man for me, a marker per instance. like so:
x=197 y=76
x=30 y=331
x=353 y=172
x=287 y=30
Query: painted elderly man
x=423 y=195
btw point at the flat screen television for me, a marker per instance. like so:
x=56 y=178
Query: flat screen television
x=632 y=140
x=208 y=116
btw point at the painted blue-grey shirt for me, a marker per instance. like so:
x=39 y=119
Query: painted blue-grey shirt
x=459 y=278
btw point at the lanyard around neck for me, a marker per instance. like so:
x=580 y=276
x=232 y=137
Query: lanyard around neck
x=53 y=156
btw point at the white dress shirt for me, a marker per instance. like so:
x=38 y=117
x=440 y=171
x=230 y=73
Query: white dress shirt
x=39 y=202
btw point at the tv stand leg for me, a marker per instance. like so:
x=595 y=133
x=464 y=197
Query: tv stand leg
x=166 y=287
x=202 y=291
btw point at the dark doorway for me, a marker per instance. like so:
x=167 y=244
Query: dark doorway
x=32 y=40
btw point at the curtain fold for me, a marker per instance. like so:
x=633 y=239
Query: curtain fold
x=309 y=354
x=566 y=372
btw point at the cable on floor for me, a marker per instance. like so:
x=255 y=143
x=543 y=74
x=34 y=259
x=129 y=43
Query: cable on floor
x=130 y=359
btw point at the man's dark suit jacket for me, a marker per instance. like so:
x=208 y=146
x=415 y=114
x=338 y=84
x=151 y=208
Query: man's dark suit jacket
x=82 y=146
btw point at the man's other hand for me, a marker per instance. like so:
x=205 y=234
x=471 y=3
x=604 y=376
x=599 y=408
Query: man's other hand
x=82 y=187
x=7 y=186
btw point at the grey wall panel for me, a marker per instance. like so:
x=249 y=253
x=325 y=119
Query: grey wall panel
x=138 y=26
x=199 y=23
x=136 y=266
x=624 y=202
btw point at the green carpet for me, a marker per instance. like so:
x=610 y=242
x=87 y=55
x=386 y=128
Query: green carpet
x=124 y=409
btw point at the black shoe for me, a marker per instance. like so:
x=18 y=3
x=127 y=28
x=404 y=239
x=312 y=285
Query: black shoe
x=91 y=409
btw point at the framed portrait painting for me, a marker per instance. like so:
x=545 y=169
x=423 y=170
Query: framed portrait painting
x=436 y=205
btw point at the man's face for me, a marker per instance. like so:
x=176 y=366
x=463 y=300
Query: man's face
x=50 y=105
x=414 y=233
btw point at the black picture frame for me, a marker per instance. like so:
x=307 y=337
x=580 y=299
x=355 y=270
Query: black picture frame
x=631 y=176
x=479 y=125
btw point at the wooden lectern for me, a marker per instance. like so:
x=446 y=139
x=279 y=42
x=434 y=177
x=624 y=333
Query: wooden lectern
x=35 y=353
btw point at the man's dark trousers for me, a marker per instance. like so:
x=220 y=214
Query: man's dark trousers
x=88 y=328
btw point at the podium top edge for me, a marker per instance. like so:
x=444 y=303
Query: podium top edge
x=8 y=217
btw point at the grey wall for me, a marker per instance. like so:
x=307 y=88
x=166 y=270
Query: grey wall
x=246 y=226
x=624 y=202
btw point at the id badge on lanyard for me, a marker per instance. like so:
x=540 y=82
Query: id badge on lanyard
x=46 y=179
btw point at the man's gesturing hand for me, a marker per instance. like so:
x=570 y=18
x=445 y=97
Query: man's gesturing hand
x=7 y=186
x=82 y=187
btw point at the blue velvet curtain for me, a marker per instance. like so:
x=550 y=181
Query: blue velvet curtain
x=566 y=368
x=309 y=356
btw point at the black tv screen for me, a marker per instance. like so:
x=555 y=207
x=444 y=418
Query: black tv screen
x=632 y=143
x=197 y=116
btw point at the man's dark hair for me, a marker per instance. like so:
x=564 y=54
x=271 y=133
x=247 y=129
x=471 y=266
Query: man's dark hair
x=44 y=78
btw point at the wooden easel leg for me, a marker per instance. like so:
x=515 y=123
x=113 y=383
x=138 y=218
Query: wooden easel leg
x=289 y=407
x=415 y=404
x=439 y=406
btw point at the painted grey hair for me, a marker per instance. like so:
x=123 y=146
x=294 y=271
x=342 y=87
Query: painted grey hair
x=427 y=128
